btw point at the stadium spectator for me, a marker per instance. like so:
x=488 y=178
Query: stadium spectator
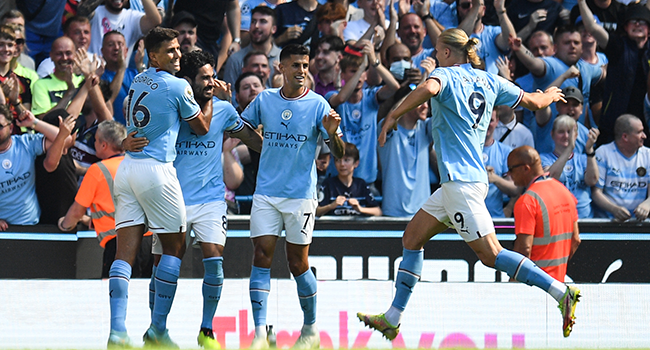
x=404 y=160
x=261 y=40
x=331 y=21
x=373 y=20
x=610 y=13
x=577 y=171
x=493 y=40
x=113 y=16
x=445 y=13
x=17 y=87
x=56 y=184
x=495 y=159
x=43 y=25
x=116 y=72
x=76 y=28
x=540 y=44
x=549 y=71
x=185 y=24
x=257 y=62
x=549 y=13
x=286 y=191
x=626 y=83
x=622 y=188
x=326 y=70
x=546 y=218
x=14 y=17
x=573 y=107
x=246 y=9
x=57 y=89
x=345 y=194
x=358 y=106
x=209 y=17
x=510 y=131
x=459 y=201
x=19 y=204
x=90 y=104
x=597 y=59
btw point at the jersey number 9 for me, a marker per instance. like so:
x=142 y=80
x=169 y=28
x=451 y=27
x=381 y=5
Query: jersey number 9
x=476 y=103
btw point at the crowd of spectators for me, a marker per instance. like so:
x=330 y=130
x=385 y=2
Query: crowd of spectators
x=79 y=57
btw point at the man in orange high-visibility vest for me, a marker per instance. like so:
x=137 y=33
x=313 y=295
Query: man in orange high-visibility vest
x=96 y=193
x=546 y=216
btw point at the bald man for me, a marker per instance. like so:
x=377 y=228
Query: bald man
x=57 y=89
x=546 y=215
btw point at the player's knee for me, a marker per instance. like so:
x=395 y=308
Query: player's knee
x=298 y=267
x=262 y=258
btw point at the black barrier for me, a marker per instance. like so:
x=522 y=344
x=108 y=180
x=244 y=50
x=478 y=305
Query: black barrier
x=609 y=251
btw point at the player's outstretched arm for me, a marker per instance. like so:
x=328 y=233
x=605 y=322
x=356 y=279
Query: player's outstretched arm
x=250 y=137
x=421 y=94
x=538 y=100
x=331 y=123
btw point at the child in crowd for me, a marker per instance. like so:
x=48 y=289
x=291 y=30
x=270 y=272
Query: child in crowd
x=345 y=194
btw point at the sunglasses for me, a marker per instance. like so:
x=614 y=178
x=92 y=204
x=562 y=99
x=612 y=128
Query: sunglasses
x=20 y=41
x=465 y=5
x=511 y=168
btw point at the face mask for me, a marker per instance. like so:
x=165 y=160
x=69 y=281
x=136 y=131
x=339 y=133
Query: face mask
x=398 y=68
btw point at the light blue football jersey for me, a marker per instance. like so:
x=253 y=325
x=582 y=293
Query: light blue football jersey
x=157 y=101
x=198 y=158
x=291 y=127
x=461 y=114
x=18 y=202
x=359 y=127
x=405 y=169
x=496 y=155
x=573 y=178
x=624 y=180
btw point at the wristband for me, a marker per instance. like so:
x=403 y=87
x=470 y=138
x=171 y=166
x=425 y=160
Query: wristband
x=16 y=104
x=427 y=16
x=592 y=154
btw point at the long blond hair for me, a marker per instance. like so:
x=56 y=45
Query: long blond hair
x=457 y=40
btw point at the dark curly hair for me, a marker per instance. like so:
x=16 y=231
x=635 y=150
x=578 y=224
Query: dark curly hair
x=192 y=61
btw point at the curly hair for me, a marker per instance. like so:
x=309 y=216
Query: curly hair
x=192 y=61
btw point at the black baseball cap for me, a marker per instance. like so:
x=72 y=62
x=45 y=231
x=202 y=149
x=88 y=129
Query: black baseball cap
x=183 y=16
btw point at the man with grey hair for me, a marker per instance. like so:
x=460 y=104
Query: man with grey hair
x=96 y=193
x=622 y=187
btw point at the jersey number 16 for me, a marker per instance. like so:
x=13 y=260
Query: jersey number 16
x=131 y=113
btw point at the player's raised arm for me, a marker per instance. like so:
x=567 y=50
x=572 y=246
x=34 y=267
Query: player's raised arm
x=421 y=94
x=538 y=100
x=331 y=123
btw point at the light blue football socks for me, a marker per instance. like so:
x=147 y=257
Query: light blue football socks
x=118 y=286
x=212 y=285
x=307 y=287
x=167 y=273
x=259 y=288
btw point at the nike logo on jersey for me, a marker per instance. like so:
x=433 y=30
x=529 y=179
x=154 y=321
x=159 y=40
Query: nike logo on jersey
x=522 y=15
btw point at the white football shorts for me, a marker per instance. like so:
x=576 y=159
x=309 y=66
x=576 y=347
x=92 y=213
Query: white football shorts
x=268 y=214
x=147 y=192
x=461 y=205
x=205 y=223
